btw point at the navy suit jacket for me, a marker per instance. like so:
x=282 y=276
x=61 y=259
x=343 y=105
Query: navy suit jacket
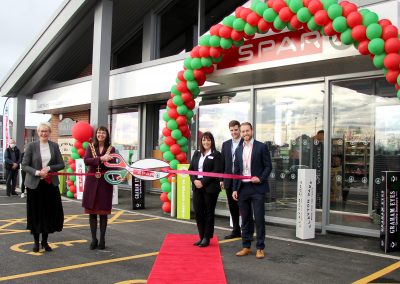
x=226 y=152
x=261 y=166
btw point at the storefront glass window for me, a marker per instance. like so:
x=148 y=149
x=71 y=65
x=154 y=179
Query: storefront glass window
x=290 y=120
x=365 y=142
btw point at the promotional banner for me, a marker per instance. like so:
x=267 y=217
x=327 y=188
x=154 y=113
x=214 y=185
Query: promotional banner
x=137 y=193
x=389 y=232
x=183 y=193
x=306 y=192
x=80 y=179
x=6 y=128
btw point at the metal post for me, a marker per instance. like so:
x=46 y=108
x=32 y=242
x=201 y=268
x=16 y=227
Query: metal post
x=173 y=196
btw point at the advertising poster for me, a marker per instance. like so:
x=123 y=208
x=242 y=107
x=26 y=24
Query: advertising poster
x=80 y=180
x=137 y=193
x=306 y=193
x=183 y=194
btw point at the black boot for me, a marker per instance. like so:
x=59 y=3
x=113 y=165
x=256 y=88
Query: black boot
x=103 y=228
x=93 y=230
x=36 y=243
x=205 y=242
x=44 y=243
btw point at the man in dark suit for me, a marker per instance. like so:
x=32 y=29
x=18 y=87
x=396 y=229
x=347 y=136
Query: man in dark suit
x=12 y=160
x=253 y=160
x=228 y=153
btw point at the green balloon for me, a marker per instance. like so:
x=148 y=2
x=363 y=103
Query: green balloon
x=174 y=90
x=226 y=43
x=172 y=124
x=279 y=24
x=195 y=92
x=174 y=164
x=215 y=41
x=376 y=46
x=303 y=15
x=70 y=194
x=238 y=43
x=269 y=15
x=398 y=94
x=169 y=195
x=187 y=62
x=206 y=62
x=69 y=170
x=217 y=60
x=196 y=63
x=339 y=24
x=163 y=180
x=182 y=110
x=164 y=147
x=328 y=3
x=166 y=187
x=312 y=25
x=192 y=85
x=296 y=5
x=168 y=156
x=378 y=60
x=260 y=8
x=335 y=11
x=85 y=145
x=398 y=82
x=363 y=12
x=346 y=37
x=73 y=178
x=177 y=99
x=374 y=30
x=189 y=114
x=176 y=134
x=182 y=141
x=184 y=149
x=204 y=40
x=238 y=25
x=75 y=156
x=166 y=117
x=188 y=75
x=228 y=21
x=370 y=18
x=74 y=150
x=250 y=30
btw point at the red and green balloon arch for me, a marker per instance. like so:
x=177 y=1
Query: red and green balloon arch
x=362 y=28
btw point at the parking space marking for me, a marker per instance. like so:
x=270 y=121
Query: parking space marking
x=18 y=247
x=378 y=274
x=76 y=266
x=132 y=281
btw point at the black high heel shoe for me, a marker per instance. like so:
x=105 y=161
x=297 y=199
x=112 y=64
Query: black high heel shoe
x=94 y=244
x=46 y=246
x=102 y=245
x=204 y=243
x=35 y=247
x=197 y=243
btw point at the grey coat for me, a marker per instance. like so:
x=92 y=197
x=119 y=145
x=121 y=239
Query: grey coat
x=33 y=161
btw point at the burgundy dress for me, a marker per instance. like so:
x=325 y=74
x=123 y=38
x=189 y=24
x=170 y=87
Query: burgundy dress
x=98 y=193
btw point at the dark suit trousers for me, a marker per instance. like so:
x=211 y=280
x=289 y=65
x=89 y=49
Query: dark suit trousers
x=204 y=207
x=234 y=210
x=250 y=200
x=11 y=180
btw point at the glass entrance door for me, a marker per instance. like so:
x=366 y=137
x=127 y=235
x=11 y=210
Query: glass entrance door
x=365 y=142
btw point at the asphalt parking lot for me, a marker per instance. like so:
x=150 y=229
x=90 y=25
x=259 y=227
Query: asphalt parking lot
x=134 y=238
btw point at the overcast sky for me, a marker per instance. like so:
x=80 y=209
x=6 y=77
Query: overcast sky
x=21 y=21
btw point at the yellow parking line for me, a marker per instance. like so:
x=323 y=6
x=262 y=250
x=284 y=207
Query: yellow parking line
x=115 y=216
x=76 y=266
x=378 y=274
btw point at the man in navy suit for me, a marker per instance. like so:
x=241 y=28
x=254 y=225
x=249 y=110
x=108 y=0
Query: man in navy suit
x=253 y=160
x=228 y=153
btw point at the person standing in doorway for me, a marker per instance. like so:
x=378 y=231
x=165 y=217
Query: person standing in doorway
x=253 y=160
x=228 y=153
x=12 y=161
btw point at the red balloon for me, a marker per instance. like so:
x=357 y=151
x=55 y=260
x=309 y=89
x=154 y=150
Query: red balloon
x=78 y=144
x=354 y=19
x=70 y=182
x=392 y=61
x=169 y=140
x=204 y=51
x=73 y=166
x=188 y=96
x=81 y=152
x=170 y=103
x=263 y=26
x=225 y=32
x=321 y=18
x=181 y=86
x=235 y=35
x=389 y=32
x=180 y=75
x=214 y=30
x=209 y=70
x=269 y=3
x=166 y=207
x=252 y=19
x=166 y=131
x=238 y=10
x=391 y=76
x=191 y=104
x=173 y=113
x=215 y=52
x=295 y=23
x=75 y=195
x=82 y=131
x=70 y=161
x=278 y=5
x=72 y=188
x=181 y=120
x=348 y=9
x=384 y=22
x=392 y=45
x=164 y=197
x=186 y=134
x=244 y=13
x=359 y=33
x=195 y=52
x=314 y=6
x=181 y=157
x=285 y=14
x=328 y=29
x=199 y=76
x=175 y=149
x=363 y=47
x=184 y=128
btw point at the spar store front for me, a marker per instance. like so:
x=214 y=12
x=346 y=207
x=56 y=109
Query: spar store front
x=342 y=121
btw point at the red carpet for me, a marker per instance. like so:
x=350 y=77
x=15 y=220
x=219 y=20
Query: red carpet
x=179 y=261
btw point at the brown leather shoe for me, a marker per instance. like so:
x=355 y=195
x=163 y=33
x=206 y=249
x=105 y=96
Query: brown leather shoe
x=260 y=254
x=243 y=252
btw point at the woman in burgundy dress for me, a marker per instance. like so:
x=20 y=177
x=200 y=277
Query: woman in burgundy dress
x=98 y=193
